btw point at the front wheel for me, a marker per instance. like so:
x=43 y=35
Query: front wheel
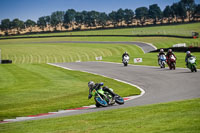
x=125 y=64
x=194 y=68
x=173 y=66
x=119 y=100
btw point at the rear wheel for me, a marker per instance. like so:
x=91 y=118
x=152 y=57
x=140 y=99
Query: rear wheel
x=100 y=102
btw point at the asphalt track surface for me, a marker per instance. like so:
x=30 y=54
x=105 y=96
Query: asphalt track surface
x=160 y=85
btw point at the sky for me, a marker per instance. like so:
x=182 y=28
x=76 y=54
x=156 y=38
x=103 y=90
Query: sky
x=33 y=9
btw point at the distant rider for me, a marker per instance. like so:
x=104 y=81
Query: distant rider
x=188 y=55
x=98 y=86
x=169 y=53
x=124 y=54
x=160 y=53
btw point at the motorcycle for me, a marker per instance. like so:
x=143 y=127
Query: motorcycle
x=126 y=60
x=172 y=62
x=162 y=61
x=192 y=64
x=104 y=98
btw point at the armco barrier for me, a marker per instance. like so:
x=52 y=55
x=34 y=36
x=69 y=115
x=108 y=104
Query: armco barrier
x=6 y=61
x=180 y=49
x=23 y=37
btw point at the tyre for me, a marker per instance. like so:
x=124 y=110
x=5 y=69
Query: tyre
x=195 y=69
x=163 y=65
x=97 y=105
x=174 y=66
x=119 y=100
x=100 y=102
x=125 y=64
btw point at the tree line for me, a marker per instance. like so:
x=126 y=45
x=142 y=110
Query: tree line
x=182 y=10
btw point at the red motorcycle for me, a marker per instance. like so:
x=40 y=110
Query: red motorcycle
x=172 y=62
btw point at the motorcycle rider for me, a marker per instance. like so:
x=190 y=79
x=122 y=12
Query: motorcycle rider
x=97 y=86
x=160 y=53
x=188 y=55
x=124 y=54
x=169 y=53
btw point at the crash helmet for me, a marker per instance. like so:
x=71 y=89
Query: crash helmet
x=91 y=84
x=170 y=50
x=161 y=50
x=188 y=52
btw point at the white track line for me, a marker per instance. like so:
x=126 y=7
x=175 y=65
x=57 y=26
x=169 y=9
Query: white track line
x=142 y=91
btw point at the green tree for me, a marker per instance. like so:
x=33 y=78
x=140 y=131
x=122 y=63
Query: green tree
x=42 y=23
x=69 y=18
x=5 y=25
x=196 y=13
x=141 y=14
x=79 y=19
x=113 y=18
x=189 y=6
x=128 y=16
x=18 y=24
x=91 y=18
x=167 y=13
x=30 y=24
x=182 y=13
x=120 y=16
x=102 y=19
x=57 y=18
x=48 y=21
x=175 y=11
x=155 y=13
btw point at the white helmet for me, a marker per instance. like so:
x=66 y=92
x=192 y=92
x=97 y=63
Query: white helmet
x=161 y=50
x=91 y=84
x=188 y=52
x=169 y=50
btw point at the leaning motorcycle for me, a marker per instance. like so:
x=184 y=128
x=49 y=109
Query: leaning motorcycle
x=192 y=64
x=172 y=62
x=126 y=60
x=104 y=98
x=162 y=61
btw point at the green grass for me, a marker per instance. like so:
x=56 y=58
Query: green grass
x=181 y=30
x=174 y=117
x=28 y=89
x=26 y=51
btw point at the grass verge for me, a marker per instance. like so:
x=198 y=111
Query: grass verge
x=174 y=117
x=29 y=89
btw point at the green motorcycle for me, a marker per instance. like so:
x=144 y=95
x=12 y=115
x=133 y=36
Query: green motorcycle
x=104 y=98
x=192 y=64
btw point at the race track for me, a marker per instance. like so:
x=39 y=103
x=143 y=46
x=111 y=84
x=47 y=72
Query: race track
x=160 y=85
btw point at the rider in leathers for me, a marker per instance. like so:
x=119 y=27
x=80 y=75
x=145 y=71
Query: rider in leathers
x=169 y=53
x=188 y=55
x=98 y=86
x=160 y=53
x=124 y=54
